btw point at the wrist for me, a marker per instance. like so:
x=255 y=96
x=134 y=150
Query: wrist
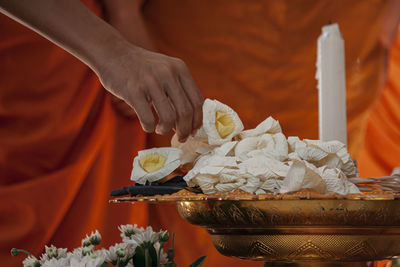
x=110 y=50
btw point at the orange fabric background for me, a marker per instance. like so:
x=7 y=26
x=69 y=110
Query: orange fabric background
x=381 y=150
x=63 y=148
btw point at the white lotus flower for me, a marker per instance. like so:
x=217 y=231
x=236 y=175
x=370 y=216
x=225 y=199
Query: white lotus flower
x=154 y=164
x=220 y=123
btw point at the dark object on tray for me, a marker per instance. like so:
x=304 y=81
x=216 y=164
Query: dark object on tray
x=150 y=189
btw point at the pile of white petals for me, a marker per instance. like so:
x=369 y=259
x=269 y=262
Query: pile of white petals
x=263 y=160
x=87 y=255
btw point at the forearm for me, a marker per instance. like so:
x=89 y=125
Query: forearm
x=69 y=24
x=126 y=16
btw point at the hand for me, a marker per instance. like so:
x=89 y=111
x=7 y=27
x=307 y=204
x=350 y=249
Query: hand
x=122 y=108
x=141 y=77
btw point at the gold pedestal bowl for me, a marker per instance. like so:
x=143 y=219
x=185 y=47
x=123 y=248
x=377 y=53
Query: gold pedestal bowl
x=307 y=229
x=300 y=227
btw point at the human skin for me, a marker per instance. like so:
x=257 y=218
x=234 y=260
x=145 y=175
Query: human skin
x=126 y=16
x=136 y=75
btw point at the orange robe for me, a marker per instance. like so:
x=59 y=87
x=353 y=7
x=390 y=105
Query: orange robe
x=259 y=58
x=62 y=148
x=381 y=150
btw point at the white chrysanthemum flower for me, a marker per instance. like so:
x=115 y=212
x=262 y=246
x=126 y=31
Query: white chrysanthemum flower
x=122 y=251
x=154 y=164
x=128 y=230
x=31 y=261
x=148 y=235
x=96 y=259
x=220 y=123
x=93 y=239
x=53 y=262
x=53 y=252
x=87 y=250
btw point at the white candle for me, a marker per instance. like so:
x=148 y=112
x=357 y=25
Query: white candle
x=332 y=85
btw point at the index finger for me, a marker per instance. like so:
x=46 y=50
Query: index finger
x=194 y=95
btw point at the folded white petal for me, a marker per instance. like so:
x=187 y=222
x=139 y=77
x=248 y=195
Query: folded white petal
x=269 y=125
x=189 y=148
x=301 y=176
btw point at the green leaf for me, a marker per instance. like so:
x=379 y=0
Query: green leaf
x=153 y=256
x=139 y=257
x=198 y=262
x=105 y=264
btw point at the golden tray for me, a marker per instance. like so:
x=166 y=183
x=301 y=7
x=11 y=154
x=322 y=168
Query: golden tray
x=303 y=226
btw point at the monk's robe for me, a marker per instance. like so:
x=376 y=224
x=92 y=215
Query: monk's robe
x=381 y=150
x=259 y=58
x=63 y=148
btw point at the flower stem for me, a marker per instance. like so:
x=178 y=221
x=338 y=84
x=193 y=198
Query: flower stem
x=146 y=257
x=15 y=252
x=159 y=253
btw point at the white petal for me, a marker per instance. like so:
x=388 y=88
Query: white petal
x=295 y=143
x=212 y=170
x=210 y=107
x=225 y=149
x=272 y=185
x=269 y=125
x=172 y=162
x=163 y=172
x=201 y=135
x=189 y=148
x=311 y=153
x=251 y=185
x=245 y=146
x=300 y=176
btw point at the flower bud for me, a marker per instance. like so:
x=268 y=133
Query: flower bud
x=163 y=237
x=95 y=238
x=14 y=252
x=120 y=253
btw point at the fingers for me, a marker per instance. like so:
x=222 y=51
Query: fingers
x=183 y=108
x=165 y=112
x=142 y=108
x=194 y=95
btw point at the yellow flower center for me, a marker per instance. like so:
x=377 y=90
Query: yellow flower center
x=152 y=162
x=224 y=124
